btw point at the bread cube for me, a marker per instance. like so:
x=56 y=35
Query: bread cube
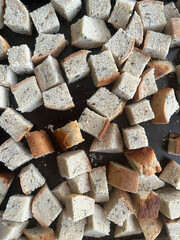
x=80 y=184
x=13 y=154
x=174 y=144
x=121 y=13
x=75 y=66
x=73 y=163
x=126 y=85
x=4 y=98
x=4 y=46
x=135 y=137
x=111 y=143
x=149 y=183
x=19 y=58
x=121 y=45
x=89 y=33
x=7 y=77
x=45 y=19
x=172 y=227
x=119 y=207
x=67 y=9
x=98 y=8
x=6 y=179
x=178 y=74
x=14 y=124
x=69 y=135
x=79 y=206
x=173 y=29
x=2 y=8
x=97 y=224
x=39 y=233
x=152 y=15
x=61 y=191
x=39 y=143
x=45 y=207
x=156 y=44
x=30 y=179
x=171 y=11
x=18 y=208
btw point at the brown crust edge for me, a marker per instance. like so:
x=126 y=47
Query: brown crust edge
x=104 y=130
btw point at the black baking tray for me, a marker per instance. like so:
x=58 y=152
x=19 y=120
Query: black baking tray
x=82 y=90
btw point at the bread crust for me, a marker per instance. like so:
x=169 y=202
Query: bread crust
x=107 y=80
x=176 y=28
x=126 y=57
x=6 y=46
x=45 y=236
x=73 y=55
x=6 y=176
x=22 y=82
x=104 y=130
x=176 y=137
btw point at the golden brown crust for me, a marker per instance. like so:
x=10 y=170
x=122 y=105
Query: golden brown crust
x=176 y=137
x=142 y=52
x=6 y=176
x=106 y=81
x=125 y=197
x=21 y=83
x=175 y=27
x=168 y=221
x=45 y=236
x=104 y=130
x=125 y=58
x=5 y=46
x=73 y=55
x=152 y=2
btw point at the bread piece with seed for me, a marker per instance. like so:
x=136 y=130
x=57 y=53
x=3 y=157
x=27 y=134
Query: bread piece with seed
x=61 y=191
x=174 y=144
x=2 y=8
x=4 y=46
x=149 y=183
x=80 y=184
x=173 y=29
x=6 y=179
x=4 y=98
x=39 y=233
x=178 y=73
x=98 y=8
x=172 y=228
x=171 y=11
x=7 y=77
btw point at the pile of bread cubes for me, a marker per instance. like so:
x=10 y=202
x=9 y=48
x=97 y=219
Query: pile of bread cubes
x=134 y=58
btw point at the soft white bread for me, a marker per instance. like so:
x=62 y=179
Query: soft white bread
x=174 y=144
x=98 y=8
x=178 y=73
x=4 y=46
x=89 y=33
x=173 y=29
x=172 y=228
x=13 y=154
x=149 y=183
x=39 y=233
x=6 y=179
x=61 y=191
x=80 y=184
x=171 y=11
x=7 y=77
x=45 y=19
x=2 y=8
x=45 y=207
x=4 y=98
x=17 y=17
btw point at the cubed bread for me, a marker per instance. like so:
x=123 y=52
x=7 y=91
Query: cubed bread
x=4 y=98
x=149 y=183
x=13 y=154
x=38 y=233
x=19 y=58
x=73 y=163
x=171 y=11
x=75 y=66
x=121 y=13
x=79 y=206
x=106 y=103
x=152 y=15
x=111 y=143
x=172 y=228
x=93 y=124
x=48 y=44
x=17 y=17
x=98 y=8
x=80 y=184
x=45 y=207
x=7 y=77
x=174 y=144
x=97 y=225
x=67 y=9
x=156 y=44
x=61 y=191
x=122 y=177
x=125 y=86
x=173 y=29
x=89 y=33
x=68 y=136
x=119 y=207
x=2 y=8
x=18 y=208
x=45 y=19
x=135 y=137
x=15 y=124
x=135 y=28
x=164 y=105
x=121 y=45
x=6 y=179
x=178 y=74
x=4 y=46
x=103 y=68
x=171 y=174
x=39 y=143
x=30 y=179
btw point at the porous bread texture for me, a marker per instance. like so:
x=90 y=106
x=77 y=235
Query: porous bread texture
x=4 y=99
x=172 y=228
x=2 y=8
x=149 y=183
x=173 y=29
x=61 y=191
x=98 y=8
x=4 y=46
x=79 y=184
x=6 y=179
x=174 y=144
x=171 y=11
x=38 y=233
x=7 y=77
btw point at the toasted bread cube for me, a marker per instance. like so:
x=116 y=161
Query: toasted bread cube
x=73 y=163
x=89 y=33
x=171 y=11
x=97 y=224
x=178 y=73
x=79 y=206
x=7 y=77
x=39 y=233
x=172 y=227
x=4 y=46
x=152 y=15
x=61 y=191
x=106 y=103
x=121 y=45
x=135 y=137
x=2 y=8
x=39 y=143
x=156 y=44
x=173 y=29
x=119 y=207
x=174 y=144
x=4 y=98
x=45 y=19
x=149 y=183
x=98 y=8
x=80 y=184
x=6 y=179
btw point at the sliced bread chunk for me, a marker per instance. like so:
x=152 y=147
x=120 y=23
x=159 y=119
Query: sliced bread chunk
x=173 y=29
x=13 y=154
x=121 y=13
x=4 y=98
x=174 y=144
x=48 y=44
x=89 y=33
x=178 y=74
x=6 y=179
x=172 y=228
x=15 y=124
x=4 y=46
x=30 y=179
x=45 y=207
x=80 y=184
x=106 y=103
x=103 y=68
x=39 y=233
x=75 y=66
x=122 y=177
x=93 y=124
x=164 y=105
x=39 y=143
x=45 y=19
x=68 y=136
x=171 y=11
x=98 y=8
x=73 y=163
x=17 y=17
x=149 y=183
x=2 y=8
x=111 y=143
x=7 y=77
x=61 y=191
x=97 y=225
x=135 y=28
x=121 y=45
x=18 y=208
